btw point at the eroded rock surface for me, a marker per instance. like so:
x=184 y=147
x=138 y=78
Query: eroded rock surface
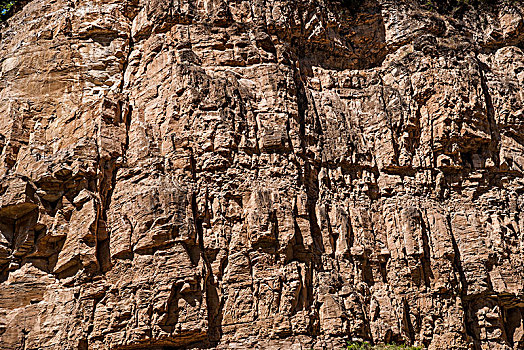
x=261 y=174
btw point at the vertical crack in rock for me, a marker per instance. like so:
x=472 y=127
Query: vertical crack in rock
x=463 y=292
x=490 y=113
x=210 y=285
x=109 y=167
x=426 y=256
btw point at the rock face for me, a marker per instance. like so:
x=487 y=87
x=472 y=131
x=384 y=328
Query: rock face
x=247 y=174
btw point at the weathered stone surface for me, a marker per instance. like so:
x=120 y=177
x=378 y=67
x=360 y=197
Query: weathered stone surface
x=261 y=174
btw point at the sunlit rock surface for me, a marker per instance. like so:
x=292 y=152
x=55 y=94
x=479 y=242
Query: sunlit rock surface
x=261 y=174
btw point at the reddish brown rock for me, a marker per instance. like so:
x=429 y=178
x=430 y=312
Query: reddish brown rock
x=261 y=174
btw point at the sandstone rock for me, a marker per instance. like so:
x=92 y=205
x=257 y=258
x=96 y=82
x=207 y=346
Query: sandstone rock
x=261 y=174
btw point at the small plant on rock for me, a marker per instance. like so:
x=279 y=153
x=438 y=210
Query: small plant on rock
x=5 y=8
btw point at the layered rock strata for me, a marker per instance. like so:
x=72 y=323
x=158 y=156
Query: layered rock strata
x=261 y=174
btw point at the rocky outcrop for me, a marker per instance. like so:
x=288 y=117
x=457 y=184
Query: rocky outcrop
x=261 y=174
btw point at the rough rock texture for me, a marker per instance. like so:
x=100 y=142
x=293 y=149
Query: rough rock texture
x=280 y=174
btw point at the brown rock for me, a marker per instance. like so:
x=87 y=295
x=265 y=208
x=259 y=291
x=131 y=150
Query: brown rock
x=261 y=174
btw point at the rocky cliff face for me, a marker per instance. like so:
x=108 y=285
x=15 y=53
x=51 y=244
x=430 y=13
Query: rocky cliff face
x=261 y=174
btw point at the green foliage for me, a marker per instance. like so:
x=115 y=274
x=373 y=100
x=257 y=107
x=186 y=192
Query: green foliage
x=5 y=8
x=367 y=346
x=358 y=346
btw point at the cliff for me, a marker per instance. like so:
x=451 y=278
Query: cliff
x=261 y=174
